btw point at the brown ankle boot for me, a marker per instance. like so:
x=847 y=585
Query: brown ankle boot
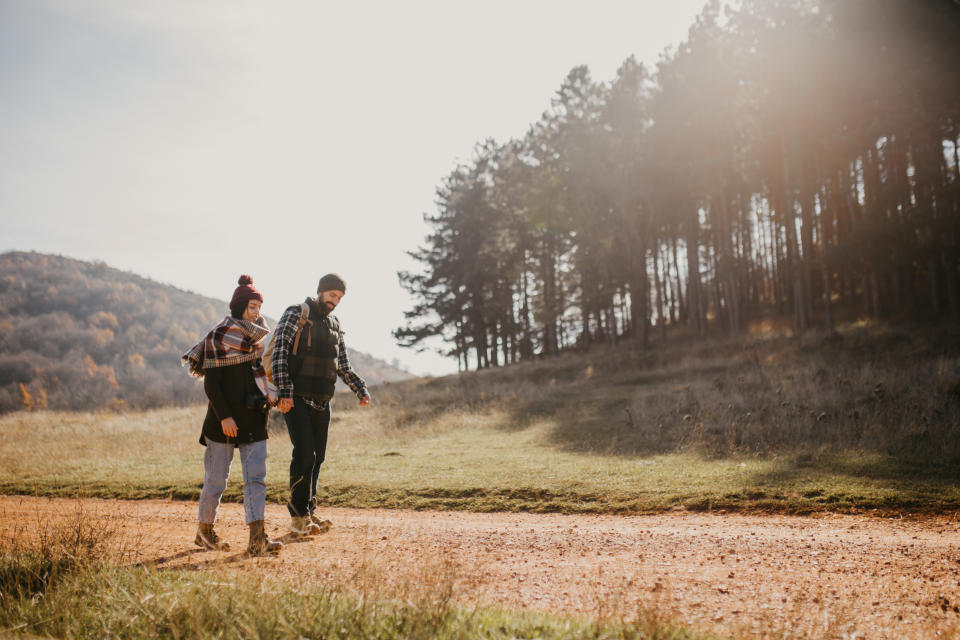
x=303 y=527
x=322 y=523
x=208 y=538
x=260 y=544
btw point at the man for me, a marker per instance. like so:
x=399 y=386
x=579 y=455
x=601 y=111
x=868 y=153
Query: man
x=308 y=355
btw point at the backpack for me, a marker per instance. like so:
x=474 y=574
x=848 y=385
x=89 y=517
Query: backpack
x=267 y=360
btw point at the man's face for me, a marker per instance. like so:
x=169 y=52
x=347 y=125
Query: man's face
x=330 y=299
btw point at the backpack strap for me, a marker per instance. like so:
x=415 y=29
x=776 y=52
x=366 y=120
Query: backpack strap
x=304 y=319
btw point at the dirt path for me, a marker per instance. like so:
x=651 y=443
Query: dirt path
x=756 y=576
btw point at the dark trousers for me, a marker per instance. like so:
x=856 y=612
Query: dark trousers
x=308 y=434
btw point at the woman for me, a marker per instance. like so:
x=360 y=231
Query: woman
x=228 y=360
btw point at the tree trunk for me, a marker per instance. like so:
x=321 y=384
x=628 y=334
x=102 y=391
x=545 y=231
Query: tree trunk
x=826 y=225
x=950 y=272
x=550 y=315
x=526 y=344
x=807 y=195
x=624 y=314
x=461 y=347
x=794 y=274
x=776 y=253
x=956 y=160
x=873 y=221
x=678 y=310
x=697 y=314
x=934 y=284
x=585 y=334
x=904 y=246
x=639 y=292
x=661 y=320
x=727 y=270
x=768 y=280
x=611 y=326
x=746 y=276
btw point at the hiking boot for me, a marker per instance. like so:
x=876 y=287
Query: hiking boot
x=208 y=538
x=320 y=522
x=260 y=544
x=302 y=527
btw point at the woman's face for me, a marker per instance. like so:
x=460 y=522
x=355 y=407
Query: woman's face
x=252 y=312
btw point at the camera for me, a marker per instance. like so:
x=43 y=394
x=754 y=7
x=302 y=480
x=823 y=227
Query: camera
x=257 y=402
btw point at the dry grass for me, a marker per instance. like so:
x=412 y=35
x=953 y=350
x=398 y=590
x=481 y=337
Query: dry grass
x=876 y=389
x=37 y=557
x=866 y=420
x=72 y=578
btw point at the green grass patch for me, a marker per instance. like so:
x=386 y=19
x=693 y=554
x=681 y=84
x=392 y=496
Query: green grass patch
x=473 y=465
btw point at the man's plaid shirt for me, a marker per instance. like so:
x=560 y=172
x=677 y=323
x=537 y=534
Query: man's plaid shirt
x=286 y=330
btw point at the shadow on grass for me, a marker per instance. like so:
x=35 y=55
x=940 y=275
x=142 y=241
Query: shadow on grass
x=910 y=473
x=906 y=474
x=593 y=413
x=894 y=394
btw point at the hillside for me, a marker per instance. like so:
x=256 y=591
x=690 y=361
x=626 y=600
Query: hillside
x=894 y=391
x=82 y=335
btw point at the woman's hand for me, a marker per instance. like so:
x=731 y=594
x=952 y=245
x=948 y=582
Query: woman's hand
x=285 y=404
x=229 y=427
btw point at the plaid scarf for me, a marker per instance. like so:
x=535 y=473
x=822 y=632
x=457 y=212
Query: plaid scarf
x=230 y=342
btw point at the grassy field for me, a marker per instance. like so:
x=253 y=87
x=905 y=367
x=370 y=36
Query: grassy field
x=865 y=420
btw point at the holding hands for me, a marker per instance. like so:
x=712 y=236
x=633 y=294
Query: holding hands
x=285 y=404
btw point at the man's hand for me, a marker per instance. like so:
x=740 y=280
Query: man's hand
x=229 y=427
x=285 y=404
x=365 y=401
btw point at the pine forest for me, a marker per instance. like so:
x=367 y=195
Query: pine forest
x=792 y=163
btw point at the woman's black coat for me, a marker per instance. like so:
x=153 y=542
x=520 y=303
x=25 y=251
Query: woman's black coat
x=227 y=389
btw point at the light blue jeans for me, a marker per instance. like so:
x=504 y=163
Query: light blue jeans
x=216 y=469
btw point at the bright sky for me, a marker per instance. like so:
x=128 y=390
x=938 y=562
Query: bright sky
x=190 y=142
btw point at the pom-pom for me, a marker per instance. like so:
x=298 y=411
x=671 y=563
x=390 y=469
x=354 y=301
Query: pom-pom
x=245 y=279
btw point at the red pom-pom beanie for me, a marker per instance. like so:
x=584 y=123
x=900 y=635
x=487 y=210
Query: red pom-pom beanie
x=242 y=295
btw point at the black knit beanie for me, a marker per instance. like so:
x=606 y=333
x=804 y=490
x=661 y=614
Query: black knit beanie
x=330 y=282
